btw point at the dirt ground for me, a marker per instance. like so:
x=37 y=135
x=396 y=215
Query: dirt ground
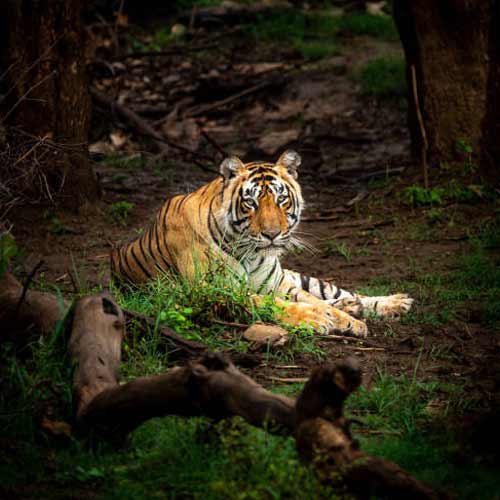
x=352 y=146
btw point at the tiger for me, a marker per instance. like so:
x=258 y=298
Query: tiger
x=247 y=217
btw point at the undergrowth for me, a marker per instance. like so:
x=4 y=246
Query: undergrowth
x=383 y=78
x=203 y=309
x=174 y=457
x=382 y=27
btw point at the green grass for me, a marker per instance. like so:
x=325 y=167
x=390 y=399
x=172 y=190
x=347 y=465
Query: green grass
x=332 y=247
x=474 y=284
x=400 y=426
x=383 y=78
x=189 y=458
x=312 y=34
x=198 y=309
x=120 y=211
x=451 y=192
x=134 y=162
x=382 y=27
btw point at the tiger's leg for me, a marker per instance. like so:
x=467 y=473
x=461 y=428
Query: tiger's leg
x=390 y=306
x=306 y=308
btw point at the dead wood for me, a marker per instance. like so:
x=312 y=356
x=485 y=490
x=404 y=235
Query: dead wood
x=214 y=387
x=36 y=311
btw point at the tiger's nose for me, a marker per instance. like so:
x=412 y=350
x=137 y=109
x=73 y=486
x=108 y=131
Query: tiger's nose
x=271 y=233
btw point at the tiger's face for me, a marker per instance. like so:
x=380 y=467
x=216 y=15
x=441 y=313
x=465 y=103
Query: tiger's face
x=264 y=201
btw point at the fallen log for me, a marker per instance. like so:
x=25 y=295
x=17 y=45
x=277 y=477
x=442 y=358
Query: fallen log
x=214 y=387
x=324 y=438
x=39 y=312
x=23 y=311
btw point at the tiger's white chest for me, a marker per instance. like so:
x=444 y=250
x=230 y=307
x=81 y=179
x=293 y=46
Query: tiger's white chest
x=263 y=271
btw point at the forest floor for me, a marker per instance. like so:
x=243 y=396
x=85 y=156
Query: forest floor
x=330 y=87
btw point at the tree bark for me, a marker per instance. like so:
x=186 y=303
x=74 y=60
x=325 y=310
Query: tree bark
x=453 y=46
x=20 y=315
x=42 y=58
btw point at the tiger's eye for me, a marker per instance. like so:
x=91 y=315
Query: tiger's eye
x=281 y=199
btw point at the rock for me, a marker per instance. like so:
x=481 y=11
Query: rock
x=264 y=334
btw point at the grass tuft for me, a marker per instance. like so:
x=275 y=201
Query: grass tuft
x=382 y=27
x=384 y=78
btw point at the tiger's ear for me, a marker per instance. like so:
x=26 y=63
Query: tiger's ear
x=290 y=160
x=231 y=166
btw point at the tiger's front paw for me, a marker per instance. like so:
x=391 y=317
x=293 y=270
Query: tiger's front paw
x=390 y=306
x=323 y=318
x=343 y=323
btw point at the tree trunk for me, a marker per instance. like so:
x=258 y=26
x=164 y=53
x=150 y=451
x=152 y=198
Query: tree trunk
x=453 y=46
x=42 y=59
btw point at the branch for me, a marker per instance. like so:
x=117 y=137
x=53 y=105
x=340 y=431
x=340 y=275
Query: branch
x=20 y=316
x=147 y=130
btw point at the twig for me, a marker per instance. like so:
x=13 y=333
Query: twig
x=114 y=31
x=27 y=70
x=21 y=99
x=289 y=380
x=425 y=144
x=356 y=348
x=165 y=53
x=210 y=107
x=26 y=286
x=230 y=323
x=348 y=339
x=214 y=143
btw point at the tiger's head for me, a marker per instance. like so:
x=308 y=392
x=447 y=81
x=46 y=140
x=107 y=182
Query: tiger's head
x=263 y=201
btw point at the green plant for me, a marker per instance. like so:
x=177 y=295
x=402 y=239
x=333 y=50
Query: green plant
x=435 y=215
x=382 y=27
x=56 y=226
x=384 y=78
x=316 y=49
x=332 y=247
x=119 y=161
x=466 y=150
x=120 y=211
x=454 y=192
x=312 y=34
x=416 y=195
x=8 y=250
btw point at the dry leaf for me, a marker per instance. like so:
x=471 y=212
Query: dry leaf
x=118 y=139
x=56 y=427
